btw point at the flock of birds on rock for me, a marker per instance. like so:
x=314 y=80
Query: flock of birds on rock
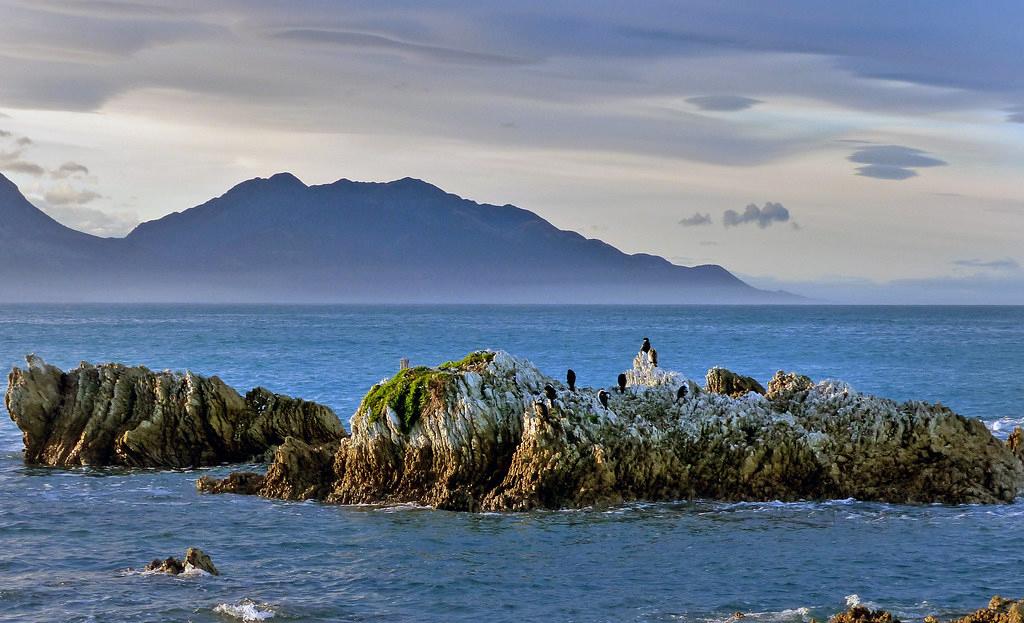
x=570 y=378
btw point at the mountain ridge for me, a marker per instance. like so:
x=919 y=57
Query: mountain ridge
x=277 y=239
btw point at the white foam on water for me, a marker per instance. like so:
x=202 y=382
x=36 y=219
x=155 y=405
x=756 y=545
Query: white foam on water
x=245 y=610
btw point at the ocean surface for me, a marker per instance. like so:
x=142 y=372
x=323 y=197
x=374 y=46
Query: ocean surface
x=70 y=540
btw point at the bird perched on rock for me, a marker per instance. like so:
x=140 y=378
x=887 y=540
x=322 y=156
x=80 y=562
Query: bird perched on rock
x=570 y=378
x=652 y=357
x=603 y=397
x=550 y=392
x=543 y=409
x=622 y=383
x=681 y=392
x=646 y=346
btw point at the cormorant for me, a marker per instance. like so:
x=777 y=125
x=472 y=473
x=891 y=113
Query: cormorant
x=570 y=378
x=681 y=392
x=603 y=397
x=550 y=392
x=622 y=383
x=646 y=346
x=652 y=356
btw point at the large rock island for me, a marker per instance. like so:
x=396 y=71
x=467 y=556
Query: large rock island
x=483 y=434
x=131 y=416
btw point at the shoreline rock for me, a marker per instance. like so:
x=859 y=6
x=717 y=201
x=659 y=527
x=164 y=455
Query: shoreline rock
x=479 y=435
x=999 y=610
x=112 y=414
x=195 y=559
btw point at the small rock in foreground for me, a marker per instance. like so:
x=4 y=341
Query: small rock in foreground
x=195 y=558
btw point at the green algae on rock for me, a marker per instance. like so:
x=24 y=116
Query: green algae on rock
x=486 y=438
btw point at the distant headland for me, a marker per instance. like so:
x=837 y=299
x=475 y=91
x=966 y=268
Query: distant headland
x=277 y=240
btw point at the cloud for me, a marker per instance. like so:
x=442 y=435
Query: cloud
x=1015 y=115
x=21 y=166
x=4 y=134
x=69 y=169
x=723 y=103
x=695 y=220
x=1006 y=264
x=66 y=195
x=764 y=217
x=892 y=162
x=92 y=221
x=380 y=43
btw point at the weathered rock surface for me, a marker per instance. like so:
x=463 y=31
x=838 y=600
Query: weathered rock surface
x=480 y=435
x=728 y=383
x=195 y=559
x=862 y=614
x=245 y=483
x=117 y=415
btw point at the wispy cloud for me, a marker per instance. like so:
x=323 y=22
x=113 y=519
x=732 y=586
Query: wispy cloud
x=1005 y=264
x=69 y=169
x=695 y=220
x=66 y=195
x=723 y=103
x=379 y=43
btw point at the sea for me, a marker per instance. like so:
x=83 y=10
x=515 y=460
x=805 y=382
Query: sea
x=73 y=541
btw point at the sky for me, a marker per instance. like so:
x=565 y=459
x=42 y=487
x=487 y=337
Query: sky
x=848 y=151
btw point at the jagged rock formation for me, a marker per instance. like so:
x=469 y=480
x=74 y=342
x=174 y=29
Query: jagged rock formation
x=480 y=435
x=862 y=614
x=116 y=415
x=784 y=385
x=195 y=559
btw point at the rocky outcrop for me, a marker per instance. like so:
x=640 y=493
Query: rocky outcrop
x=785 y=385
x=480 y=434
x=195 y=560
x=117 y=415
x=728 y=383
x=999 y=610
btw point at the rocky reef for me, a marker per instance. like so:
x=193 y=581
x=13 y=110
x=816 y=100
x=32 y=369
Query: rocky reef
x=480 y=434
x=112 y=414
x=999 y=610
x=195 y=560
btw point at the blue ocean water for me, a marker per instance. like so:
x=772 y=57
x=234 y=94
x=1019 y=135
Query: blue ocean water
x=68 y=538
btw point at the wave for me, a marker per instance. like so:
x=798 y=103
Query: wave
x=246 y=610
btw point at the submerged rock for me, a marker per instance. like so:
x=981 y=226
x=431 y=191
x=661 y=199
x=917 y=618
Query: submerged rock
x=195 y=559
x=728 y=383
x=481 y=435
x=245 y=483
x=117 y=415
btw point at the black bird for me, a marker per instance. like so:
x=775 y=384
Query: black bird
x=570 y=378
x=543 y=410
x=646 y=346
x=681 y=392
x=652 y=356
x=550 y=392
x=622 y=383
x=603 y=397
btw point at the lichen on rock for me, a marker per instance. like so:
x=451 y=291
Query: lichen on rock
x=486 y=437
x=113 y=414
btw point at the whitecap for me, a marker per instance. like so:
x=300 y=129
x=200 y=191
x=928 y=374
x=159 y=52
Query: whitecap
x=245 y=610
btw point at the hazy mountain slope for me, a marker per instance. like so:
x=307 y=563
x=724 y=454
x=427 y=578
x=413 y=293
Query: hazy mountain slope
x=278 y=240
x=410 y=240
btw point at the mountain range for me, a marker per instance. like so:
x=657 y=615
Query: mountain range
x=277 y=240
